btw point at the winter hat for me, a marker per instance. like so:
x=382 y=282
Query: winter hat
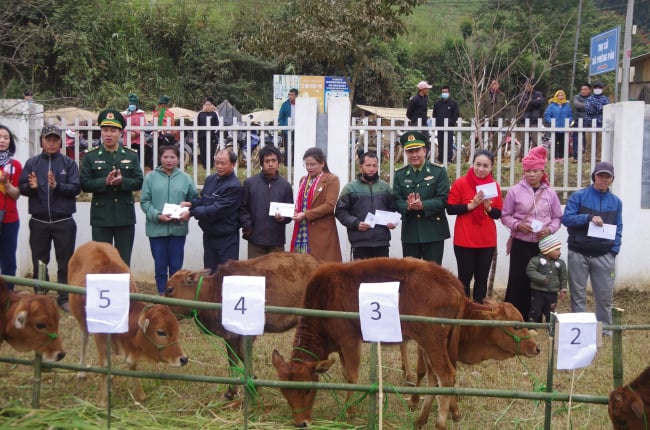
x=535 y=159
x=549 y=243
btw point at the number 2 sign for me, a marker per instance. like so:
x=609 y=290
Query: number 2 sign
x=107 y=303
x=379 y=312
x=577 y=344
x=242 y=299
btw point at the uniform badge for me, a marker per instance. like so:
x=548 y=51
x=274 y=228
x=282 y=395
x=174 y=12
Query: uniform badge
x=428 y=178
x=125 y=161
x=100 y=161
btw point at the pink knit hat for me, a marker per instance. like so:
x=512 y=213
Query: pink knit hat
x=535 y=159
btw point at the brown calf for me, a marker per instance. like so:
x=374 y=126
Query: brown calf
x=286 y=276
x=629 y=405
x=30 y=322
x=425 y=289
x=153 y=329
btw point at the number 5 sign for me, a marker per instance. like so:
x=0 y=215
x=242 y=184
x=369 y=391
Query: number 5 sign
x=379 y=312
x=107 y=303
x=242 y=299
x=576 y=340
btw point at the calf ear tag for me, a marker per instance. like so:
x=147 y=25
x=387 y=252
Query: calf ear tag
x=379 y=312
x=107 y=303
x=242 y=300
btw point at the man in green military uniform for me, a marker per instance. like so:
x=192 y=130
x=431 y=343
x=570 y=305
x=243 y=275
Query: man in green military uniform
x=420 y=191
x=112 y=173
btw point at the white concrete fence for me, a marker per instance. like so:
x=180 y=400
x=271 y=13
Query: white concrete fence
x=625 y=142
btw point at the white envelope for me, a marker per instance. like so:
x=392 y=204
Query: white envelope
x=607 y=231
x=536 y=225
x=385 y=217
x=371 y=219
x=489 y=190
x=173 y=210
x=284 y=209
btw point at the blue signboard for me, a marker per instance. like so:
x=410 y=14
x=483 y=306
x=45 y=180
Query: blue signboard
x=604 y=52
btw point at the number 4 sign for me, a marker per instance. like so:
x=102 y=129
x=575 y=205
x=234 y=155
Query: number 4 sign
x=379 y=312
x=107 y=303
x=242 y=299
x=576 y=340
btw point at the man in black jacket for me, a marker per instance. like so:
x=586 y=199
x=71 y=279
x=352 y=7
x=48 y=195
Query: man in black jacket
x=417 y=109
x=265 y=233
x=51 y=182
x=445 y=108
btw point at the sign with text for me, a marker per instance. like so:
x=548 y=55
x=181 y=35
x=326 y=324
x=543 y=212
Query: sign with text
x=577 y=342
x=107 y=302
x=318 y=87
x=379 y=312
x=604 y=52
x=242 y=299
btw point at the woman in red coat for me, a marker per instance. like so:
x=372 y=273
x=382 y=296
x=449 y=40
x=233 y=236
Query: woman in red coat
x=315 y=230
x=475 y=234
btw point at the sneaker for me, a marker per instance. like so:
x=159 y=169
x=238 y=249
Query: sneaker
x=65 y=307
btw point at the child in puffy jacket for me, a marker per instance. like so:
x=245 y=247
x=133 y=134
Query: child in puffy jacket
x=548 y=276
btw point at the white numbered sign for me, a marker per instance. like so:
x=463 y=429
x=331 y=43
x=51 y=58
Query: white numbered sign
x=107 y=303
x=242 y=299
x=576 y=333
x=379 y=312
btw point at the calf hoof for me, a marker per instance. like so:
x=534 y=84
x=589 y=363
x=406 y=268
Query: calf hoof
x=413 y=403
x=229 y=395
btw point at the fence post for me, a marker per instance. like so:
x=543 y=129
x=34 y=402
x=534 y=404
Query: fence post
x=617 y=347
x=372 y=398
x=38 y=358
x=549 y=372
x=248 y=374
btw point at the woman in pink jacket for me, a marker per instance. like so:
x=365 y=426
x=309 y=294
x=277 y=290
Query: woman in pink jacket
x=531 y=211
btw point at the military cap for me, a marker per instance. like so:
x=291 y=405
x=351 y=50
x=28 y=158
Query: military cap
x=51 y=129
x=163 y=100
x=112 y=118
x=412 y=140
x=133 y=98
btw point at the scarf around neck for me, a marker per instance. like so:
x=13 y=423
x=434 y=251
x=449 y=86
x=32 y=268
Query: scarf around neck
x=478 y=214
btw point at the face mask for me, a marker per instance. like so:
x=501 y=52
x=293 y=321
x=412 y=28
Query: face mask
x=444 y=96
x=132 y=108
x=598 y=91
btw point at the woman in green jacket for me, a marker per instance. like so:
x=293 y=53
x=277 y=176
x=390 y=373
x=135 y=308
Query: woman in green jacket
x=166 y=227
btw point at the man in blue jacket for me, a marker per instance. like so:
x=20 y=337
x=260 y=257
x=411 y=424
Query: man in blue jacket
x=592 y=256
x=217 y=211
x=50 y=180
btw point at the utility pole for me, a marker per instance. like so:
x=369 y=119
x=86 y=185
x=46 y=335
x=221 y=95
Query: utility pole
x=575 y=52
x=627 y=52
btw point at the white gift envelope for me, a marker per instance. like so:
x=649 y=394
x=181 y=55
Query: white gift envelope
x=371 y=219
x=489 y=190
x=606 y=231
x=385 y=217
x=536 y=225
x=285 y=209
x=107 y=303
x=173 y=210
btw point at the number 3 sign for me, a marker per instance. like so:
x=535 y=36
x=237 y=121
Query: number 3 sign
x=107 y=303
x=379 y=312
x=576 y=340
x=242 y=299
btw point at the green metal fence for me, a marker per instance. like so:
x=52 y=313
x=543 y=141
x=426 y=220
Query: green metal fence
x=246 y=379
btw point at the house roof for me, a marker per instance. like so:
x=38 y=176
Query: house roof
x=639 y=58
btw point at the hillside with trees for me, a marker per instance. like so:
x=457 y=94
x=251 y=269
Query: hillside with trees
x=91 y=53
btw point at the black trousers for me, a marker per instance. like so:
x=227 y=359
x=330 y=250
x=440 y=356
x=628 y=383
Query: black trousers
x=542 y=303
x=518 y=289
x=441 y=146
x=365 y=252
x=474 y=263
x=219 y=249
x=41 y=236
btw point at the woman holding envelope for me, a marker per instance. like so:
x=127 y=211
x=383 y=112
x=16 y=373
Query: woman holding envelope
x=315 y=227
x=476 y=200
x=166 y=187
x=531 y=211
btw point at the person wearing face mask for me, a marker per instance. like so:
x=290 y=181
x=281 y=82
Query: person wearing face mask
x=135 y=116
x=367 y=194
x=594 y=109
x=445 y=108
x=51 y=182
